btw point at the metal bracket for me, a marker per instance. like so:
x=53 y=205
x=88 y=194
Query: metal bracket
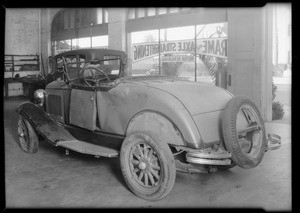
x=274 y=142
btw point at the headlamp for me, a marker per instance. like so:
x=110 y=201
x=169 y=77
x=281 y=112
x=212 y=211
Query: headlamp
x=39 y=96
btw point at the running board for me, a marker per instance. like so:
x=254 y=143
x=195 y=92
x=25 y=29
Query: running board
x=88 y=148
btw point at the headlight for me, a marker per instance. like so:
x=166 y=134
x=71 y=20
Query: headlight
x=39 y=96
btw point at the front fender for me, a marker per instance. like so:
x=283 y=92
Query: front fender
x=43 y=123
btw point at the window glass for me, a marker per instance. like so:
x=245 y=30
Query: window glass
x=59 y=63
x=105 y=15
x=173 y=10
x=71 y=61
x=62 y=46
x=144 y=52
x=81 y=61
x=212 y=40
x=177 y=52
x=162 y=10
x=131 y=13
x=73 y=70
x=141 y=12
x=180 y=33
x=151 y=11
x=112 y=64
x=185 y=8
x=84 y=42
x=100 y=41
x=99 y=16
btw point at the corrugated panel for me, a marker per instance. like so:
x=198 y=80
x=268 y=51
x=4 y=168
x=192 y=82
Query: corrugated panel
x=55 y=105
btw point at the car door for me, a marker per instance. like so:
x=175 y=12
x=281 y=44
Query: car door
x=83 y=98
x=83 y=108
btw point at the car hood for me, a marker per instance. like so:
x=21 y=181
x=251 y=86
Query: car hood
x=197 y=97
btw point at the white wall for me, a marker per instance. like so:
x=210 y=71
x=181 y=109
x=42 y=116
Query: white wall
x=22 y=31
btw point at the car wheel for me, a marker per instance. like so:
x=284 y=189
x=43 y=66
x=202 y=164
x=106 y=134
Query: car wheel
x=244 y=132
x=147 y=165
x=28 y=139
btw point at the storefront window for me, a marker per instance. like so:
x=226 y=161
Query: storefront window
x=84 y=42
x=177 y=52
x=100 y=42
x=212 y=51
x=144 y=52
x=75 y=44
x=173 y=52
x=61 y=46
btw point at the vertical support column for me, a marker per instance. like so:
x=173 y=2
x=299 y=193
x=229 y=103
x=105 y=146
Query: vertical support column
x=45 y=39
x=117 y=33
x=249 y=56
x=128 y=70
x=116 y=28
x=267 y=65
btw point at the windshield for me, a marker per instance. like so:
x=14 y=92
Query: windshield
x=111 y=65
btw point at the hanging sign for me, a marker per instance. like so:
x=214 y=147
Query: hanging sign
x=209 y=46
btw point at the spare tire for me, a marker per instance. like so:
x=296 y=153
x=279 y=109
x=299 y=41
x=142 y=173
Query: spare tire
x=244 y=132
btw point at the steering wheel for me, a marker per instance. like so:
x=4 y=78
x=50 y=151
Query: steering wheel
x=92 y=75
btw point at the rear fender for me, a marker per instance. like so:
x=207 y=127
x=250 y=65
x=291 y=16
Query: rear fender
x=44 y=124
x=159 y=124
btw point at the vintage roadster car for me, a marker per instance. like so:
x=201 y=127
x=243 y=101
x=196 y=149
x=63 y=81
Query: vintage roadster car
x=153 y=122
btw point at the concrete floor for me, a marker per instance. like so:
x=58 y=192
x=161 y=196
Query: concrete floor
x=49 y=178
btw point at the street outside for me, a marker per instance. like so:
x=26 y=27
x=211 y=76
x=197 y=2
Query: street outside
x=283 y=95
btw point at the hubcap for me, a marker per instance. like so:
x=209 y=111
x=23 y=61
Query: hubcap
x=144 y=166
x=250 y=135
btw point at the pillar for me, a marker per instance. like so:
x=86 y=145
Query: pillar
x=250 y=55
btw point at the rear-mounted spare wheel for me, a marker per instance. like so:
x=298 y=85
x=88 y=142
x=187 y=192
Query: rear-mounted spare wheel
x=244 y=132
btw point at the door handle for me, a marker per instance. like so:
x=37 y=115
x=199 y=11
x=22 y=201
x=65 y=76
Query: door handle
x=229 y=80
x=92 y=98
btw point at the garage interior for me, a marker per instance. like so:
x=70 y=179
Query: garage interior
x=50 y=178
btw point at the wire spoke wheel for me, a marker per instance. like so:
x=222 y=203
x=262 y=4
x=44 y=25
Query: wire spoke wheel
x=28 y=139
x=23 y=134
x=144 y=165
x=148 y=166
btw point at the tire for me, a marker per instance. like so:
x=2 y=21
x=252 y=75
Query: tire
x=28 y=139
x=241 y=113
x=157 y=174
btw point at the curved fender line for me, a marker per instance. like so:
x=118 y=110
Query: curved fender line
x=51 y=130
x=174 y=126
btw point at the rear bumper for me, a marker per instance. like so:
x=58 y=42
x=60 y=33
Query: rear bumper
x=208 y=156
